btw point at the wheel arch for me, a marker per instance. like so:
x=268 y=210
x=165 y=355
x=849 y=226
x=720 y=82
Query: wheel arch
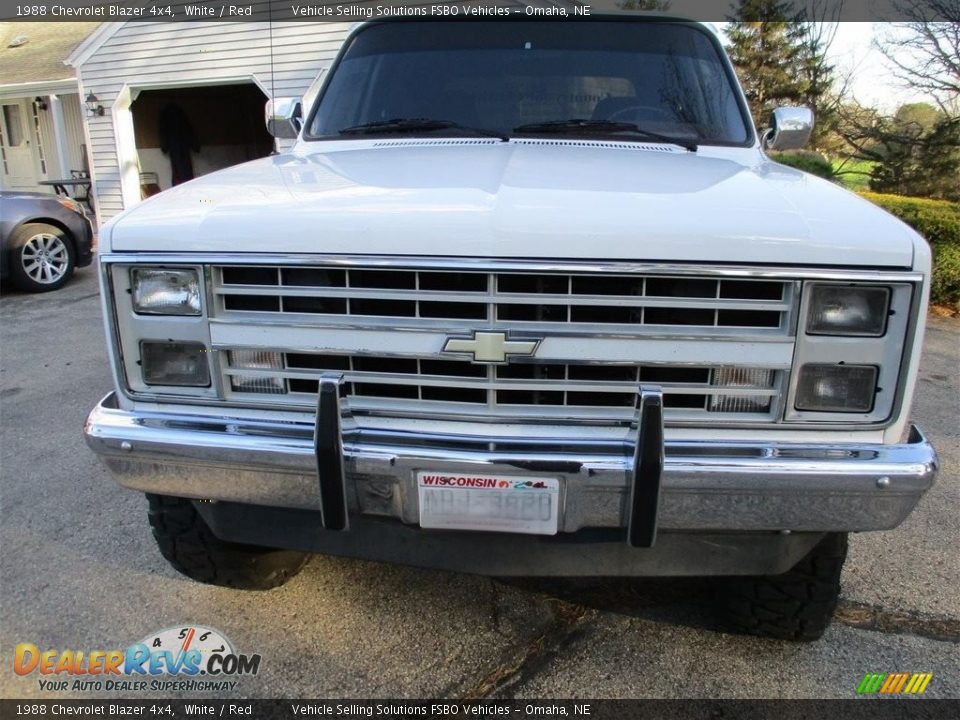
x=59 y=224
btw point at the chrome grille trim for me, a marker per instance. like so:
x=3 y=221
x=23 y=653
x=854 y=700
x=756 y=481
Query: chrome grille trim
x=481 y=264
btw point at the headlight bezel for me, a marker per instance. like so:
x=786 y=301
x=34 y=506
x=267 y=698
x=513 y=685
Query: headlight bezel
x=887 y=352
x=131 y=328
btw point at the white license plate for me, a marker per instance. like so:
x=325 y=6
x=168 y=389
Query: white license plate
x=496 y=503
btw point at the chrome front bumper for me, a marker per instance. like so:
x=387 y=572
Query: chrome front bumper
x=704 y=487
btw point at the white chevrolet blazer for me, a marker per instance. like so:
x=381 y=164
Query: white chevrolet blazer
x=524 y=298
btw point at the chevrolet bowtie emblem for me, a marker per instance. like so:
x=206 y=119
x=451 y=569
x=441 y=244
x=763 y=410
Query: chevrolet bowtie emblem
x=490 y=347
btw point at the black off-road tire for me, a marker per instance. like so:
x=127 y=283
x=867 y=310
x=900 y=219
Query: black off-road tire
x=796 y=605
x=190 y=546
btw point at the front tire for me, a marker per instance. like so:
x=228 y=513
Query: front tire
x=190 y=546
x=796 y=605
x=42 y=257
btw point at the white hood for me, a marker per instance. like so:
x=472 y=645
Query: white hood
x=520 y=199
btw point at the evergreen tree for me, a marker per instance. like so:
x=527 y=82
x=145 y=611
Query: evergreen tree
x=821 y=92
x=769 y=50
x=644 y=5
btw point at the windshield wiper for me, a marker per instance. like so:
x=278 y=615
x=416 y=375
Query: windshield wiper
x=399 y=125
x=601 y=127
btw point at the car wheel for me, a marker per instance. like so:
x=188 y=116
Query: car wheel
x=190 y=546
x=42 y=257
x=796 y=605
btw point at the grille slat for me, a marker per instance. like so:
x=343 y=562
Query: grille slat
x=623 y=300
x=503 y=298
x=531 y=385
x=748 y=390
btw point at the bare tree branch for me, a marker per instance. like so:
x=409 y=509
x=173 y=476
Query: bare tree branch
x=924 y=51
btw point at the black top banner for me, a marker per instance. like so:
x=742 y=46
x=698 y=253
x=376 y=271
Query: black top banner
x=320 y=11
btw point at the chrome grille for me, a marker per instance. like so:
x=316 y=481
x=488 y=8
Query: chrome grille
x=719 y=347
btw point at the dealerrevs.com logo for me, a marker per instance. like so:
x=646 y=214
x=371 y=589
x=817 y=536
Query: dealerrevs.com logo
x=186 y=658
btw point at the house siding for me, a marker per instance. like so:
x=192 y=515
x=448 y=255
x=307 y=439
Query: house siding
x=143 y=55
x=73 y=130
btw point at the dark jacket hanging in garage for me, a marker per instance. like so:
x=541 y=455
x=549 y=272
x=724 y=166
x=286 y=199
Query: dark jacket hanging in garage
x=177 y=139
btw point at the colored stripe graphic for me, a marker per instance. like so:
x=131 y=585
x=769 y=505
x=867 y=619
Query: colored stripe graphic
x=894 y=683
x=889 y=683
x=927 y=677
x=870 y=683
x=899 y=680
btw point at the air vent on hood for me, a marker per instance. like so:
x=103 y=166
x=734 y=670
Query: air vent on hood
x=601 y=144
x=460 y=142
x=430 y=143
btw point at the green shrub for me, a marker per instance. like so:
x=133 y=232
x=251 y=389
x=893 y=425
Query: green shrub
x=945 y=288
x=807 y=161
x=939 y=222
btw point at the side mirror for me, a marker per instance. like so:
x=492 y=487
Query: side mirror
x=790 y=128
x=284 y=117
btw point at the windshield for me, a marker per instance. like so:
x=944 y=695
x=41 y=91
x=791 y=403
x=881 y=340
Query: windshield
x=633 y=80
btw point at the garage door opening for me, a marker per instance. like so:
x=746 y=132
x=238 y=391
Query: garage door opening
x=182 y=133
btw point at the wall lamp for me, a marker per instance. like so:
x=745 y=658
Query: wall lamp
x=94 y=108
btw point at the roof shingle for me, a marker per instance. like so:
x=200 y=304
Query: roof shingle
x=41 y=57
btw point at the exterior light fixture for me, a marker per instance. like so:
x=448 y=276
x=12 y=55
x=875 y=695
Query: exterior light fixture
x=94 y=108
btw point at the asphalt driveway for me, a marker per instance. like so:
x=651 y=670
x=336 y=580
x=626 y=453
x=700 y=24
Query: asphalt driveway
x=79 y=569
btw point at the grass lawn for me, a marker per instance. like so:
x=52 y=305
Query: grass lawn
x=856 y=173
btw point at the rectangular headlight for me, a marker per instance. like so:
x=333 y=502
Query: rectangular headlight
x=174 y=363
x=836 y=388
x=848 y=310
x=159 y=291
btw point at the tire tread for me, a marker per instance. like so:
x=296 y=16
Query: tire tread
x=190 y=546
x=796 y=605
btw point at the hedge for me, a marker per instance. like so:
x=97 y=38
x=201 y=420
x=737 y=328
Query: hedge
x=939 y=222
x=807 y=161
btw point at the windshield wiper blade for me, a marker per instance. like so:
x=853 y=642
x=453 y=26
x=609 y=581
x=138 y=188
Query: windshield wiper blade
x=602 y=127
x=397 y=125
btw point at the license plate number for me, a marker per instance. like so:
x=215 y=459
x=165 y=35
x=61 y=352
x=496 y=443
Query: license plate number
x=496 y=503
